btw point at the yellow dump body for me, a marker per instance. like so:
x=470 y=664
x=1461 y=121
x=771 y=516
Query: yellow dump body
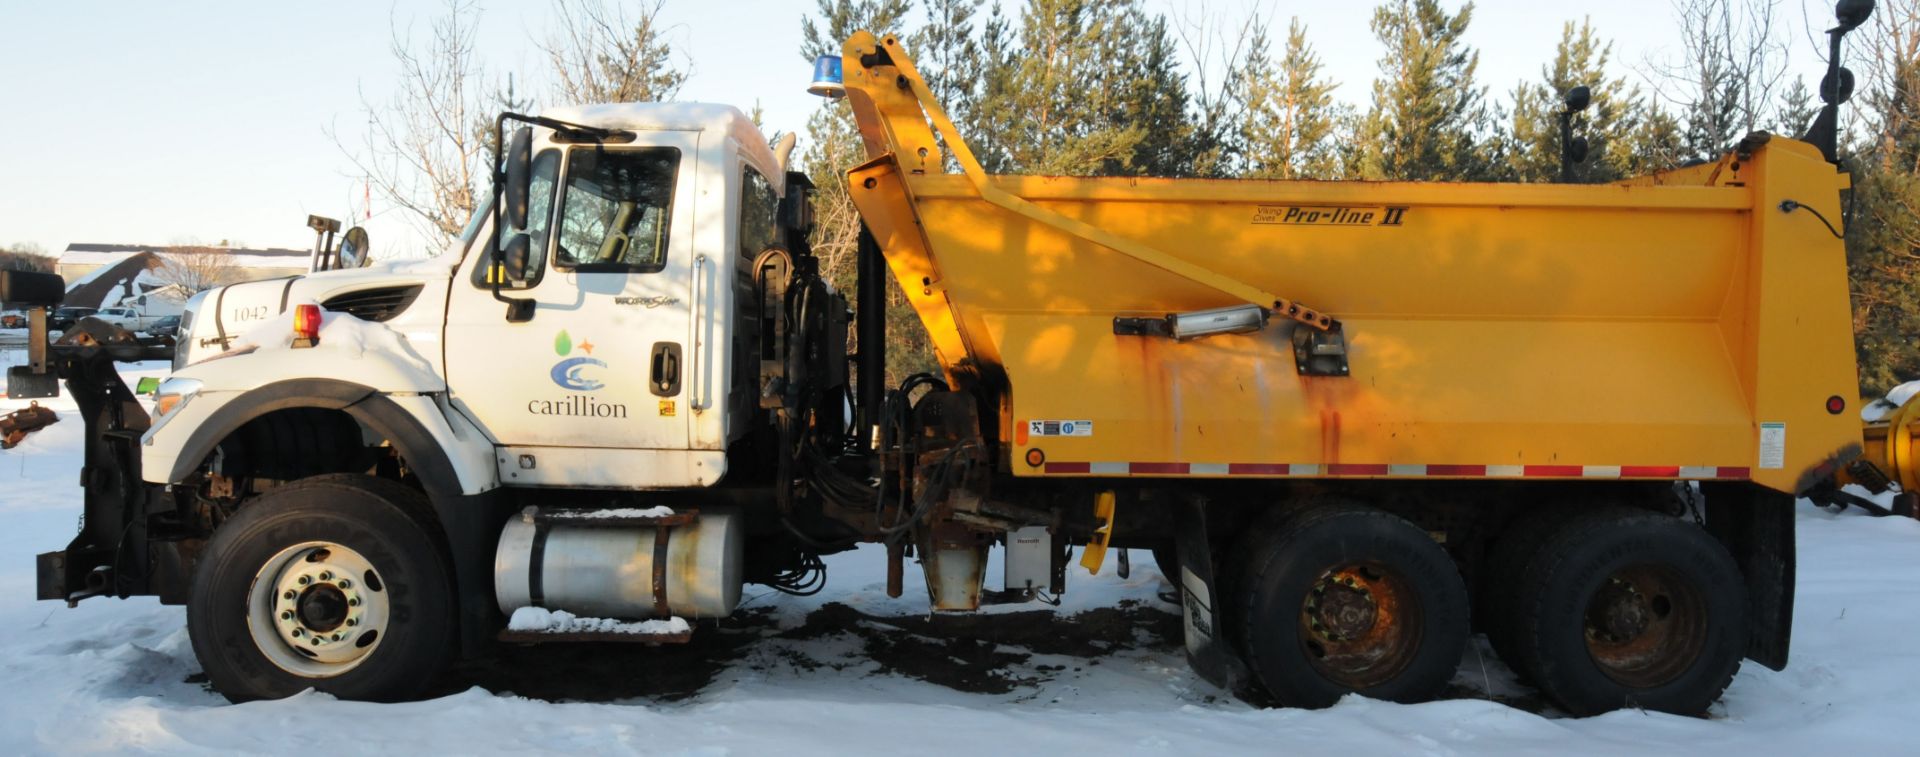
x=1679 y=326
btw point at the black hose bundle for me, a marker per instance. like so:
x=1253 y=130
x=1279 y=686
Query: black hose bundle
x=804 y=579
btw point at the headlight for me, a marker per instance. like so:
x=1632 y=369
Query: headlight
x=172 y=395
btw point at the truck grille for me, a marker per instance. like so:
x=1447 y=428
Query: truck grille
x=374 y=304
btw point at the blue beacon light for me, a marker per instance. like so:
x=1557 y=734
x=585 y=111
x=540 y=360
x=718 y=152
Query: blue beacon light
x=827 y=79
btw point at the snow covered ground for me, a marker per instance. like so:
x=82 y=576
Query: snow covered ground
x=851 y=670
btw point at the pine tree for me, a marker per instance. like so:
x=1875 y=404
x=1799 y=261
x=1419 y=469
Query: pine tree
x=1657 y=143
x=833 y=147
x=1883 y=233
x=1154 y=99
x=1427 y=112
x=1289 y=118
x=1607 y=124
x=833 y=141
x=1796 y=109
x=1094 y=91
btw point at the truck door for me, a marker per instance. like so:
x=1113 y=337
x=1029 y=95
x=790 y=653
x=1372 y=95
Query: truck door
x=600 y=377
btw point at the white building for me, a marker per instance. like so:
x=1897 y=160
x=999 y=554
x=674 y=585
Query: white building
x=105 y=275
x=82 y=258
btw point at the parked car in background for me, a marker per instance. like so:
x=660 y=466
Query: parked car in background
x=62 y=319
x=127 y=318
x=13 y=319
x=166 y=325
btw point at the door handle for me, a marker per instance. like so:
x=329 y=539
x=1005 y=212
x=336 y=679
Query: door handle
x=666 y=369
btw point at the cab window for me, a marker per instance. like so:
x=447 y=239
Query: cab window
x=759 y=214
x=545 y=175
x=617 y=209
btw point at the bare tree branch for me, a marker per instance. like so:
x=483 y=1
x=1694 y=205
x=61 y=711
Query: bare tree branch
x=600 y=55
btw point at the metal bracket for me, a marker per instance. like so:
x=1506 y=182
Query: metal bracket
x=1321 y=353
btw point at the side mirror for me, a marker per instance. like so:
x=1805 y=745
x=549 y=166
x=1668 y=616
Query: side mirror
x=1578 y=98
x=1836 y=88
x=354 y=249
x=519 y=177
x=1851 y=14
x=1577 y=150
x=513 y=260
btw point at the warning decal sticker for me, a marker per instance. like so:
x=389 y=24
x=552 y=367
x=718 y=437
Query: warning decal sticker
x=1060 y=428
x=1773 y=445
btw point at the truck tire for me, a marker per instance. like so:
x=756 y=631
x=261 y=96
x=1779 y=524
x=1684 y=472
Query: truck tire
x=327 y=583
x=1630 y=608
x=1498 y=580
x=1340 y=598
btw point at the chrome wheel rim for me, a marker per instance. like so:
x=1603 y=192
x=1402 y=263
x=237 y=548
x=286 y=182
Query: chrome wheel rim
x=317 y=609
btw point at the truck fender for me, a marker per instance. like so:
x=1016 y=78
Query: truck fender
x=469 y=509
x=415 y=438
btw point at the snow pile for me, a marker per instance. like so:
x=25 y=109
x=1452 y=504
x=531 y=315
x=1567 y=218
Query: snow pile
x=1882 y=409
x=339 y=333
x=541 y=620
x=657 y=511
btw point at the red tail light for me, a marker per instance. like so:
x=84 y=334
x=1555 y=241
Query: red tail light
x=306 y=325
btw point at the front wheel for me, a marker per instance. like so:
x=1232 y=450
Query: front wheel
x=1342 y=598
x=326 y=583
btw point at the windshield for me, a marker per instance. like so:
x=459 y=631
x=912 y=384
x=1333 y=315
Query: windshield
x=473 y=224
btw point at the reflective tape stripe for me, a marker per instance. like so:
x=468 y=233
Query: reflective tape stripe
x=1399 y=470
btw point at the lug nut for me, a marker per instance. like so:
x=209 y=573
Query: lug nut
x=304 y=580
x=289 y=595
x=326 y=575
x=351 y=622
x=316 y=641
x=354 y=602
x=297 y=633
x=286 y=615
x=345 y=583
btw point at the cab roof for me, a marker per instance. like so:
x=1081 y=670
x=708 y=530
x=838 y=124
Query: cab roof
x=706 y=117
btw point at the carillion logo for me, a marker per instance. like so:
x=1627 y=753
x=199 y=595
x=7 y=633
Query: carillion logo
x=569 y=374
x=566 y=373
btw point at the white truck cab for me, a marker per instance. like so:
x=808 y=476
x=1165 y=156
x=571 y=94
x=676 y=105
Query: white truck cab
x=621 y=377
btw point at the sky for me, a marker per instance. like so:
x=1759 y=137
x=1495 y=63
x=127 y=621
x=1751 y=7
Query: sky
x=158 y=123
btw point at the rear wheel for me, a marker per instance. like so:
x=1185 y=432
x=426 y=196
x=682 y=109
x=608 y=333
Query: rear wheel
x=1498 y=579
x=328 y=584
x=1628 y=608
x=1342 y=598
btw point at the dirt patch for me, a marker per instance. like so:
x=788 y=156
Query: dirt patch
x=984 y=654
x=988 y=654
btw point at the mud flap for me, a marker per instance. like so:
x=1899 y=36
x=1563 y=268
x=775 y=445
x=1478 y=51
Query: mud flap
x=1756 y=525
x=1208 y=650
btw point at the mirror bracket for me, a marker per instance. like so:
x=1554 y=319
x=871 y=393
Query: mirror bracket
x=519 y=310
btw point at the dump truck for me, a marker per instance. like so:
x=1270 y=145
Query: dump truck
x=1355 y=422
